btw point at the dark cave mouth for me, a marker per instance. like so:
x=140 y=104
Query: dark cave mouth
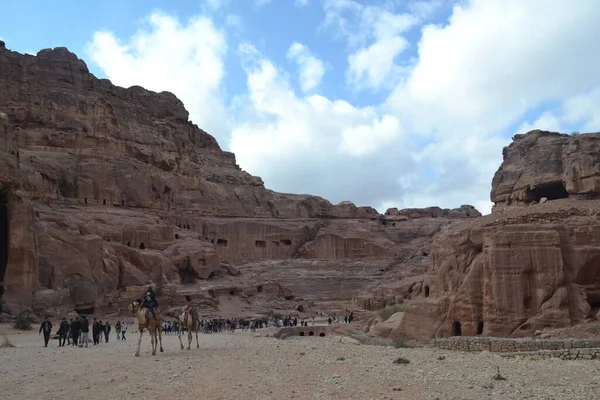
x=550 y=190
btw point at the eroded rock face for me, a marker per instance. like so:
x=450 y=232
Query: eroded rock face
x=525 y=268
x=547 y=164
x=111 y=189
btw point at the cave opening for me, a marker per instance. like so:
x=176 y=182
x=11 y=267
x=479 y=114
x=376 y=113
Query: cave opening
x=288 y=298
x=301 y=333
x=322 y=334
x=85 y=200
x=222 y=242
x=186 y=275
x=300 y=308
x=551 y=191
x=259 y=288
x=232 y=293
x=128 y=244
x=480 y=328
x=286 y=242
x=86 y=310
x=426 y=291
x=4 y=234
x=260 y=243
x=142 y=246
x=311 y=333
x=103 y=202
x=457 y=328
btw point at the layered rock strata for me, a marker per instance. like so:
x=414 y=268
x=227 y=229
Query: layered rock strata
x=106 y=189
x=533 y=263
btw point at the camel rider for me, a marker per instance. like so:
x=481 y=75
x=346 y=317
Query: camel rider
x=149 y=300
x=188 y=305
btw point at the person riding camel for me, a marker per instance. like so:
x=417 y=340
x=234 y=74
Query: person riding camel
x=188 y=305
x=149 y=301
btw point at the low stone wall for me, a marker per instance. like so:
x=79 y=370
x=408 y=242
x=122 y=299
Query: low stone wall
x=319 y=331
x=505 y=345
x=567 y=354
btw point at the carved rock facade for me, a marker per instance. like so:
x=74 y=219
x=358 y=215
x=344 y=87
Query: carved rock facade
x=106 y=189
x=531 y=264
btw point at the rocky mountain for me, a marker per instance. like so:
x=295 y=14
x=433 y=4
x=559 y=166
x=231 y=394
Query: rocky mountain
x=104 y=190
x=533 y=263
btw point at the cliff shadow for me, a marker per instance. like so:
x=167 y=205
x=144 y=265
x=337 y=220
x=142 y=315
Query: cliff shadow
x=4 y=235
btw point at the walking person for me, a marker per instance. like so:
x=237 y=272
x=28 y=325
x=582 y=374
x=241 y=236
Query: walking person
x=85 y=330
x=118 y=329
x=123 y=330
x=95 y=332
x=106 y=331
x=75 y=331
x=70 y=332
x=47 y=328
x=63 y=332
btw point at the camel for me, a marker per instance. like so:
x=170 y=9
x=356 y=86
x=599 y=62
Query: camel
x=147 y=321
x=188 y=318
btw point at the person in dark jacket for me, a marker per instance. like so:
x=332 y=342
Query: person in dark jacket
x=85 y=330
x=149 y=300
x=47 y=328
x=63 y=331
x=75 y=331
x=96 y=332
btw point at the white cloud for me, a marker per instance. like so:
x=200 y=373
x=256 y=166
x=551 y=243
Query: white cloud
x=438 y=137
x=375 y=38
x=313 y=144
x=301 y=3
x=311 y=69
x=583 y=109
x=488 y=66
x=262 y=2
x=184 y=59
x=546 y=122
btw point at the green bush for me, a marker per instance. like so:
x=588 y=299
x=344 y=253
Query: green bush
x=22 y=322
x=387 y=312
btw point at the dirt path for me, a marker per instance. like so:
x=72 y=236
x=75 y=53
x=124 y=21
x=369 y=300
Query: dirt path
x=242 y=366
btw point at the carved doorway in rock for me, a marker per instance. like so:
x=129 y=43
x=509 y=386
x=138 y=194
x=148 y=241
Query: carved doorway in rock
x=4 y=235
x=456 y=329
x=588 y=278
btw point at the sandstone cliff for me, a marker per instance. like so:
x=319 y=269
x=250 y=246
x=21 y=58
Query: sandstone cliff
x=105 y=189
x=534 y=262
x=547 y=164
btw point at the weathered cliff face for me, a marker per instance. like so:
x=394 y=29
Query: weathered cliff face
x=547 y=164
x=524 y=268
x=107 y=189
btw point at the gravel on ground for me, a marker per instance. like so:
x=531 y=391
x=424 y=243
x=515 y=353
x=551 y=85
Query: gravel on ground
x=247 y=366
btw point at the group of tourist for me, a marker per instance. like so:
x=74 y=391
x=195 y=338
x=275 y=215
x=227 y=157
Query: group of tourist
x=347 y=318
x=75 y=332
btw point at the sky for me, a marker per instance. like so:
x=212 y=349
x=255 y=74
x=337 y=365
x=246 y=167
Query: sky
x=386 y=103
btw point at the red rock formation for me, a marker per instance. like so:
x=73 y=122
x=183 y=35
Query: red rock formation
x=524 y=268
x=547 y=164
x=109 y=189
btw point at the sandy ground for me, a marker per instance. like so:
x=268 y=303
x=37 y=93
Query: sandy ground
x=242 y=366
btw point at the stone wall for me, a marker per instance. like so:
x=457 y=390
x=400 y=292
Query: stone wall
x=506 y=345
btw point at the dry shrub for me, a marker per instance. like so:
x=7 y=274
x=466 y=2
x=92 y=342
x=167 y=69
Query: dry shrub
x=5 y=343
